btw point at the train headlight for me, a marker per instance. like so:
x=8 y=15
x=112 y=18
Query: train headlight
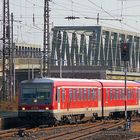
x=47 y=108
x=35 y=100
x=23 y=108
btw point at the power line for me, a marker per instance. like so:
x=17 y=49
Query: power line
x=101 y=8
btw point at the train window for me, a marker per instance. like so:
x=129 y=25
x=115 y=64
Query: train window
x=74 y=94
x=93 y=94
x=76 y=98
x=43 y=93
x=119 y=95
x=58 y=95
x=107 y=94
x=63 y=95
x=81 y=93
x=85 y=92
x=133 y=94
x=29 y=93
x=88 y=94
x=122 y=94
x=78 y=95
x=70 y=94
x=73 y=98
x=111 y=94
x=39 y=92
x=139 y=93
x=116 y=94
x=129 y=94
x=136 y=93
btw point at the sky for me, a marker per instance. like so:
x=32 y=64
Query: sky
x=28 y=16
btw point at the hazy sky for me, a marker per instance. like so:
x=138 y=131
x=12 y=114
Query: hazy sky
x=29 y=15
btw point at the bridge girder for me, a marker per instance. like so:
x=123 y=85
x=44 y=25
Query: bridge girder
x=95 y=46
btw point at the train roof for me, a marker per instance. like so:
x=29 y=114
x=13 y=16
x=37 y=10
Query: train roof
x=82 y=82
x=52 y=80
x=121 y=83
x=114 y=81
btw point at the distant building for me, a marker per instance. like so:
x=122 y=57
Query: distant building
x=27 y=50
x=23 y=50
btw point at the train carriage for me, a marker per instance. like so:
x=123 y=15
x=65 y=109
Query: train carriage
x=59 y=99
x=76 y=98
x=114 y=97
x=51 y=100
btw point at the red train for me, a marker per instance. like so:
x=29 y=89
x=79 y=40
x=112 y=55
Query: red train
x=51 y=100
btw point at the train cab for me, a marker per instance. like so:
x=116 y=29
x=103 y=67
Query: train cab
x=35 y=99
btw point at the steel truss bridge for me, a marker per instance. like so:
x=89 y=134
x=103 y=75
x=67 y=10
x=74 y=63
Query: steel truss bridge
x=81 y=52
x=94 y=46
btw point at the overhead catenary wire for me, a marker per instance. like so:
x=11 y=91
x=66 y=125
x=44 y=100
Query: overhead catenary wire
x=88 y=10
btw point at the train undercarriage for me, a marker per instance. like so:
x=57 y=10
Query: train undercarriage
x=43 y=118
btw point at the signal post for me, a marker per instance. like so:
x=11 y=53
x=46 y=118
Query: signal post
x=125 y=49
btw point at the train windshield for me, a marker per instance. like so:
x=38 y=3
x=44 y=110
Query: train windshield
x=36 y=93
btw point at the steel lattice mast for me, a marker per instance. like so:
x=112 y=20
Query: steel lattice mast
x=46 y=42
x=7 y=59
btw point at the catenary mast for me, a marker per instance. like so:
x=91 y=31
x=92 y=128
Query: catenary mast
x=7 y=82
x=46 y=41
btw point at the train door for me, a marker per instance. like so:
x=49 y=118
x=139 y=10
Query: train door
x=106 y=97
x=69 y=99
x=64 y=98
x=99 y=99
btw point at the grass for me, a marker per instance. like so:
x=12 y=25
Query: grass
x=8 y=106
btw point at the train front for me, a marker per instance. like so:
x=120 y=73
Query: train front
x=35 y=101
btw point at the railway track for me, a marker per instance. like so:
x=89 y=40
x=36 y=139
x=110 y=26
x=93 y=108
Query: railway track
x=84 y=132
x=75 y=131
x=26 y=131
x=7 y=133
